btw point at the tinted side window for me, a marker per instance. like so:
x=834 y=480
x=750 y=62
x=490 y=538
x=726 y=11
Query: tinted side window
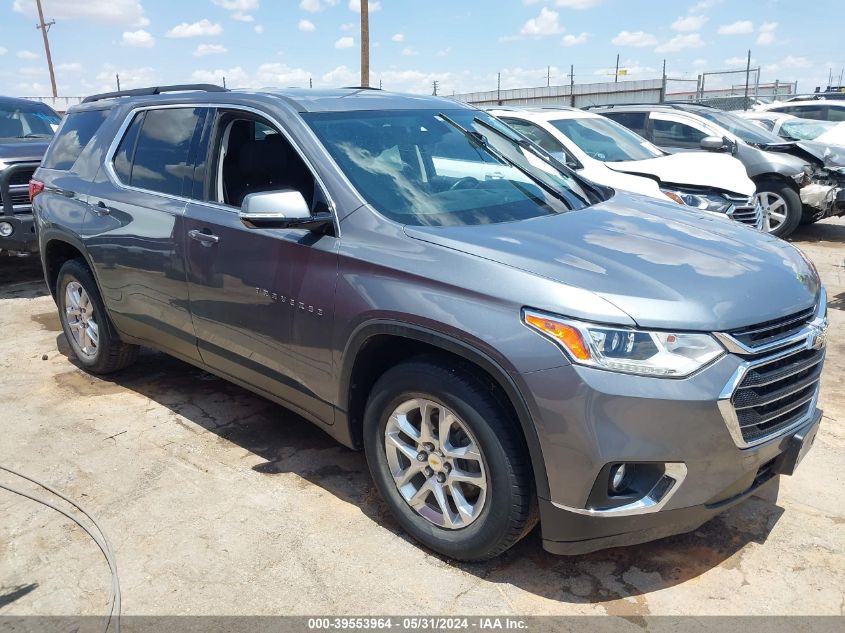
x=635 y=121
x=76 y=132
x=161 y=159
x=674 y=134
x=835 y=113
x=536 y=134
x=126 y=150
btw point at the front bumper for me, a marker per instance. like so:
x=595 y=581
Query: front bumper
x=570 y=533
x=705 y=442
x=23 y=237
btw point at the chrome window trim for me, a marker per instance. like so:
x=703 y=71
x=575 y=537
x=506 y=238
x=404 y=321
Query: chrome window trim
x=653 y=501
x=805 y=339
x=108 y=160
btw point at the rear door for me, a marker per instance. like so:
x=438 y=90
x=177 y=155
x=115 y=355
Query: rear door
x=261 y=299
x=135 y=235
x=676 y=133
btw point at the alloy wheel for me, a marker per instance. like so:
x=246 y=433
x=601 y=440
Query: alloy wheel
x=436 y=463
x=774 y=209
x=79 y=314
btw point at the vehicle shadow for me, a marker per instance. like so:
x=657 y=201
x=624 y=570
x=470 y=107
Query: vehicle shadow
x=830 y=230
x=289 y=444
x=21 y=277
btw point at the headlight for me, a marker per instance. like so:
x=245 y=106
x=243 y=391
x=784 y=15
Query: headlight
x=627 y=350
x=703 y=201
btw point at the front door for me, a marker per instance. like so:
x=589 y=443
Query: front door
x=261 y=299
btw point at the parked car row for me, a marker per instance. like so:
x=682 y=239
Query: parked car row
x=507 y=340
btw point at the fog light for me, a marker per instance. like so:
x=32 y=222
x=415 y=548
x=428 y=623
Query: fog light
x=617 y=478
x=6 y=229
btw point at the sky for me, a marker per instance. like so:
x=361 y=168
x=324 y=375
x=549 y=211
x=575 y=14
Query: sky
x=462 y=44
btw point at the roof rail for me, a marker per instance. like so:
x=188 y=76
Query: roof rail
x=677 y=105
x=154 y=90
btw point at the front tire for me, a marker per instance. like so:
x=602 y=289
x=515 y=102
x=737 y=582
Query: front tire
x=449 y=460
x=782 y=208
x=90 y=333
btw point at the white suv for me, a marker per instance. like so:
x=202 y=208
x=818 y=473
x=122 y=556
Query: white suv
x=610 y=154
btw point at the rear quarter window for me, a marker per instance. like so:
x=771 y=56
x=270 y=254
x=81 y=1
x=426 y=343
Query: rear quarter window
x=74 y=135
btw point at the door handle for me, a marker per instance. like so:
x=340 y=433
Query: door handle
x=101 y=208
x=207 y=239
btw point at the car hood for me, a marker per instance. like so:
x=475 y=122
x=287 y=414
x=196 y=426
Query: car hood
x=830 y=155
x=699 y=169
x=663 y=267
x=22 y=151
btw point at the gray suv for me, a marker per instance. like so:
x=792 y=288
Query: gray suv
x=506 y=341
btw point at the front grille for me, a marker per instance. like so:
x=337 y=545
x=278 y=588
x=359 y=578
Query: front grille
x=770 y=331
x=776 y=394
x=748 y=211
x=22 y=176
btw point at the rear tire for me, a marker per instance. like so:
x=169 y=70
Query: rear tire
x=478 y=524
x=782 y=208
x=90 y=333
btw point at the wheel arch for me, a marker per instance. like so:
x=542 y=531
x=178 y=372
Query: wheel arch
x=372 y=349
x=56 y=249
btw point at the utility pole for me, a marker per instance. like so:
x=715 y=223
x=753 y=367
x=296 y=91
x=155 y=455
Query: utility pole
x=572 y=85
x=663 y=84
x=310 y=82
x=117 y=80
x=616 y=74
x=747 y=79
x=45 y=26
x=434 y=87
x=224 y=81
x=365 y=43
x=548 y=76
x=499 y=89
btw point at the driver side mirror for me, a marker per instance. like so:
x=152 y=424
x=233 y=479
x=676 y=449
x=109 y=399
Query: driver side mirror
x=713 y=144
x=284 y=209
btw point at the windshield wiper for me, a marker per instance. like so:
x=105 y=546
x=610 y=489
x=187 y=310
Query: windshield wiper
x=31 y=135
x=478 y=140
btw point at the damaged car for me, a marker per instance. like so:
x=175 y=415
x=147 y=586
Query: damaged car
x=612 y=155
x=770 y=161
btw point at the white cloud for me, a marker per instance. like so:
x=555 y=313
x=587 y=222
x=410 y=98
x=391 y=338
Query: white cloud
x=408 y=51
x=574 y=40
x=238 y=5
x=3 y=51
x=129 y=12
x=740 y=27
x=737 y=61
x=242 y=17
x=70 y=67
x=398 y=37
x=269 y=74
x=703 y=5
x=258 y=28
x=689 y=23
x=699 y=62
x=348 y=26
x=138 y=39
x=680 y=42
x=313 y=6
x=578 y=4
x=203 y=28
x=767 y=33
x=546 y=23
x=306 y=26
x=788 y=63
x=129 y=77
x=355 y=5
x=634 y=38
x=209 y=49
x=441 y=53
x=27 y=55
x=345 y=42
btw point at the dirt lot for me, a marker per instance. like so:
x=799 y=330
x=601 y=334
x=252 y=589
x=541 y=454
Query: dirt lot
x=219 y=502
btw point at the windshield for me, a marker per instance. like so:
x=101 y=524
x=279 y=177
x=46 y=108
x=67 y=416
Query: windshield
x=805 y=129
x=606 y=140
x=27 y=121
x=742 y=128
x=456 y=167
